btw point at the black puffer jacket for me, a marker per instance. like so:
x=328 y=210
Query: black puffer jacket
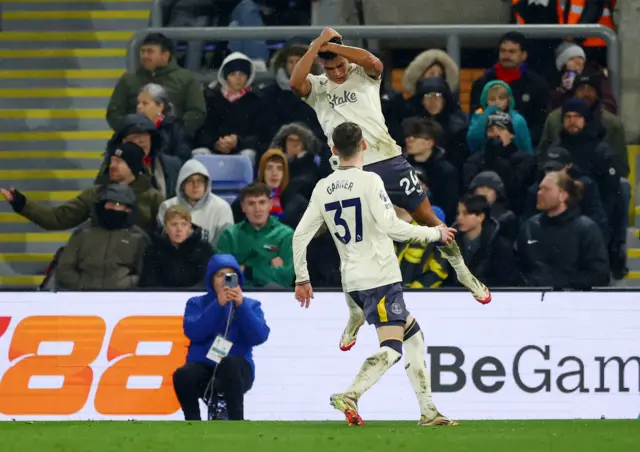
x=171 y=267
x=176 y=140
x=562 y=252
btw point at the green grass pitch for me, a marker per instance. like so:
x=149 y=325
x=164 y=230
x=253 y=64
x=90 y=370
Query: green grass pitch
x=476 y=436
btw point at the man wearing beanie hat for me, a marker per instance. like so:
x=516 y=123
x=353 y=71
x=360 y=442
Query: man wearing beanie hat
x=158 y=162
x=125 y=167
x=571 y=63
x=515 y=167
x=238 y=120
x=589 y=87
x=490 y=185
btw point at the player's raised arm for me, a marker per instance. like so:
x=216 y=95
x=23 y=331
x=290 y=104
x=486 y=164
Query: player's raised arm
x=298 y=81
x=304 y=233
x=385 y=215
x=369 y=62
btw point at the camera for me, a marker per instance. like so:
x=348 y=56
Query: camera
x=231 y=280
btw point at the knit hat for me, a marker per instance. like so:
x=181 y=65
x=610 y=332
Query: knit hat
x=500 y=119
x=590 y=78
x=488 y=179
x=240 y=65
x=132 y=154
x=567 y=50
x=575 y=105
x=556 y=159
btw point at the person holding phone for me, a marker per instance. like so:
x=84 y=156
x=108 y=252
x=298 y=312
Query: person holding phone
x=223 y=326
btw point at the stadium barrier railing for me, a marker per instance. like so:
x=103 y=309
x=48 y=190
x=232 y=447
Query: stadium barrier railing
x=104 y=355
x=454 y=35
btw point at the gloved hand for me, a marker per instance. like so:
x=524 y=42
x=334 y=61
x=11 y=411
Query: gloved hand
x=15 y=198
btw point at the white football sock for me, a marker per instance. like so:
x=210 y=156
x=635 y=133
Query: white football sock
x=416 y=368
x=373 y=368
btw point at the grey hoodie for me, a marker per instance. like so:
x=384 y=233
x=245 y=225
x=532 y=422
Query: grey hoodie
x=212 y=213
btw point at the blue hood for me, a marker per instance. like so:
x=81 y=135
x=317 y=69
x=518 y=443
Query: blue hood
x=219 y=261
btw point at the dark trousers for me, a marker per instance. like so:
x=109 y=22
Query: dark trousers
x=233 y=379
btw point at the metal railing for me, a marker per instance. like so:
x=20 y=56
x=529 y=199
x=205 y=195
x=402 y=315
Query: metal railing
x=453 y=33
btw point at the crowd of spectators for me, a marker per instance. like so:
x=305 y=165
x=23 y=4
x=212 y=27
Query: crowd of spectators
x=533 y=179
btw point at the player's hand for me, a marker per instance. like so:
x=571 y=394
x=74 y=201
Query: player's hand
x=447 y=234
x=304 y=294
x=328 y=34
x=277 y=262
x=7 y=194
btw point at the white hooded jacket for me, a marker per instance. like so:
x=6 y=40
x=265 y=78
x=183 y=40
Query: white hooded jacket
x=212 y=213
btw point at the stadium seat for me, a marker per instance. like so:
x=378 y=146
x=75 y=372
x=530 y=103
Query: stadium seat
x=229 y=197
x=228 y=172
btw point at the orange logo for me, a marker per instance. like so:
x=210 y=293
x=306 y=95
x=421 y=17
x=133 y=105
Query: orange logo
x=87 y=335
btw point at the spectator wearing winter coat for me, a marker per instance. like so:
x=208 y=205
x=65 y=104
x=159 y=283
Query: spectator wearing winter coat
x=287 y=205
x=496 y=96
x=571 y=62
x=153 y=102
x=238 y=119
x=430 y=63
x=163 y=168
x=434 y=100
x=210 y=212
x=108 y=253
x=125 y=167
x=586 y=87
x=560 y=248
x=559 y=159
x=222 y=311
x=260 y=243
x=421 y=136
x=158 y=65
x=286 y=106
x=529 y=89
x=178 y=257
x=515 y=167
x=301 y=148
x=487 y=252
x=489 y=185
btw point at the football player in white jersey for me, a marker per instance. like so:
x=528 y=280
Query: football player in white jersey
x=361 y=218
x=350 y=91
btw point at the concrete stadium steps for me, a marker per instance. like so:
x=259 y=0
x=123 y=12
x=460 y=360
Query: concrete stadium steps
x=33 y=40
x=75 y=5
x=55 y=98
x=48 y=180
x=95 y=20
x=53 y=160
x=14 y=59
x=47 y=140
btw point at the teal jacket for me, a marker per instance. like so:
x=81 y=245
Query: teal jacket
x=477 y=134
x=255 y=249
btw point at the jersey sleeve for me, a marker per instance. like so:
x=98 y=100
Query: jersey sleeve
x=311 y=98
x=385 y=216
x=304 y=233
x=360 y=72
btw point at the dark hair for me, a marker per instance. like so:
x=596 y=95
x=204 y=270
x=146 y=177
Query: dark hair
x=572 y=187
x=422 y=128
x=255 y=189
x=158 y=39
x=476 y=205
x=515 y=37
x=347 y=138
x=330 y=55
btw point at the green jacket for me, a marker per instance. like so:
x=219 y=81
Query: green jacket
x=185 y=94
x=614 y=137
x=75 y=212
x=255 y=249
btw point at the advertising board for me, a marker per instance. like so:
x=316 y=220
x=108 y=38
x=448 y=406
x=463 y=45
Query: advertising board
x=74 y=356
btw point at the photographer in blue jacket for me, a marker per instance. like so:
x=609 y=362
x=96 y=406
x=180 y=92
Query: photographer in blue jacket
x=223 y=327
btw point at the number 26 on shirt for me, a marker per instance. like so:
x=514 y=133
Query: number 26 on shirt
x=338 y=206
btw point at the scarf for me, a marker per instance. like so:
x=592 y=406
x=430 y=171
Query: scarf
x=276 y=206
x=159 y=120
x=508 y=75
x=235 y=95
x=148 y=161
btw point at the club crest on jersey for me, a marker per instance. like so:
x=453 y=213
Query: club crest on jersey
x=396 y=308
x=383 y=196
x=348 y=97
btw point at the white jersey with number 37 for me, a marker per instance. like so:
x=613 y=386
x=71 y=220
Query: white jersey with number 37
x=359 y=215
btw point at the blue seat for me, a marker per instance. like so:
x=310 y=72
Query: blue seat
x=229 y=197
x=228 y=172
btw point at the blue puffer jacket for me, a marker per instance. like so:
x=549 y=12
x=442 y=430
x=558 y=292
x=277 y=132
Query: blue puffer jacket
x=477 y=134
x=205 y=319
